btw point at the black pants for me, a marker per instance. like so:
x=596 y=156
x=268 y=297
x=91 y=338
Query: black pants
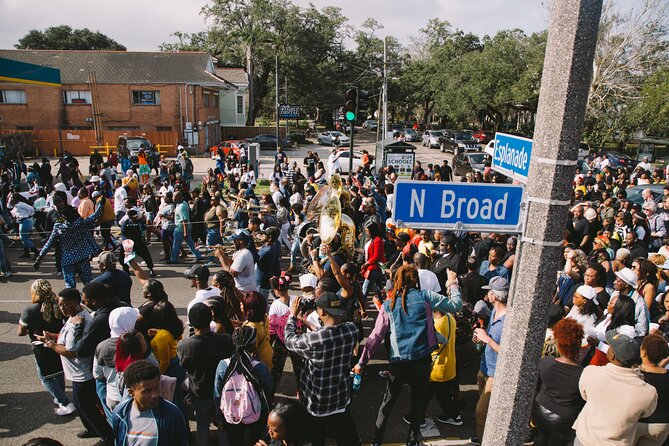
x=341 y=425
x=445 y=393
x=417 y=375
x=552 y=429
x=105 y=231
x=90 y=410
x=279 y=355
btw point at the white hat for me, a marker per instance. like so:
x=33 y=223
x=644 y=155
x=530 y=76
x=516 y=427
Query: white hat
x=627 y=276
x=588 y=292
x=308 y=280
x=590 y=214
x=95 y=179
x=122 y=320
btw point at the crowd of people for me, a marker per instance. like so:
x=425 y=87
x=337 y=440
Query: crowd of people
x=139 y=373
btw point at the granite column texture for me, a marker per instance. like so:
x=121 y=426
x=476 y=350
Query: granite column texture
x=572 y=35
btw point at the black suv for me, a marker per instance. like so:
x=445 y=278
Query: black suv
x=458 y=142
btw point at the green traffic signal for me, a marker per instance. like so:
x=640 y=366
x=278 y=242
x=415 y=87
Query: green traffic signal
x=350 y=116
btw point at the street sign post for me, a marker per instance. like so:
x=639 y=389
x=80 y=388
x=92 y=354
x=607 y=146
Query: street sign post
x=459 y=206
x=289 y=111
x=511 y=156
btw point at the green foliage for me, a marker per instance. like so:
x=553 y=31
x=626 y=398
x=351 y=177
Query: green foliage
x=651 y=113
x=64 y=37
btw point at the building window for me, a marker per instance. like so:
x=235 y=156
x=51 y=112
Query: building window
x=146 y=97
x=123 y=128
x=12 y=97
x=77 y=97
x=77 y=127
x=164 y=129
x=206 y=96
x=215 y=100
x=24 y=127
x=240 y=105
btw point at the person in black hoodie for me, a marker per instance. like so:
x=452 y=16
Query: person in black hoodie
x=200 y=355
x=133 y=228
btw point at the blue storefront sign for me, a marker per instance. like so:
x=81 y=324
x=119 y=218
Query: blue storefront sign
x=512 y=156
x=459 y=206
x=289 y=111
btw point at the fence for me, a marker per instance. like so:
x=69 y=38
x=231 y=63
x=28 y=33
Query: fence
x=79 y=142
x=242 y=132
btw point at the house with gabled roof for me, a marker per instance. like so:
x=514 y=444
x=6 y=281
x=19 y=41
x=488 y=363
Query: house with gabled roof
x=119 y=91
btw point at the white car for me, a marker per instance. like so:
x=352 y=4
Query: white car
x=431 y=138
x=357 y=160
x=328 y=137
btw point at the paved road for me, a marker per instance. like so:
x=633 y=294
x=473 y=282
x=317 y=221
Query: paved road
x=26 y=410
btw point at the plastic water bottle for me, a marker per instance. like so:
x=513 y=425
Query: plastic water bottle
x=357 y=379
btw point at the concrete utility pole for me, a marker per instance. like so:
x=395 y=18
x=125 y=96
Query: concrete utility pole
x=572 y=37
x=276 y=97
x=385 y=101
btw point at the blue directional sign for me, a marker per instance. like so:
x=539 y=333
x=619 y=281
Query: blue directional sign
x=458 y=206
x=512 y=156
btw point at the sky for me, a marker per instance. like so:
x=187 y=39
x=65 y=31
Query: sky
x=142 y=25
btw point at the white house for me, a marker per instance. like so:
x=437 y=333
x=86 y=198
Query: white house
x=233 y=103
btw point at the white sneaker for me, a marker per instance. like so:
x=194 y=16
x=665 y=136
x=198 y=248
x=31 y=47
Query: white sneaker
x=66 y=410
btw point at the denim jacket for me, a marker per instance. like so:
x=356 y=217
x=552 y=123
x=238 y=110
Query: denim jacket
x=171 y=425
x=412 y=334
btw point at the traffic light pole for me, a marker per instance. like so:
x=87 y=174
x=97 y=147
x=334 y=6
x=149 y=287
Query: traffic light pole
x=350 y=150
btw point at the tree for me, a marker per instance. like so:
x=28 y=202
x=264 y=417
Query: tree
x=631 y=46
x=650 y=113
x=64 y=37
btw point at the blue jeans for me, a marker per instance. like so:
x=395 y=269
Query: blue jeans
x=101 y=390
x=179 y=237
x=213 y=238
x=25 y=227
x=295 y=249
x=55 y=385
x=372 y=279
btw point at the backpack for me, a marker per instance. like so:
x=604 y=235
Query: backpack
x=240 y=402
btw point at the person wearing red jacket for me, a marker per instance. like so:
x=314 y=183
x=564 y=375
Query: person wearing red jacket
x=374 y=256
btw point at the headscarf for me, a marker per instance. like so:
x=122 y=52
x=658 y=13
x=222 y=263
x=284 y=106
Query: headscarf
x=122 y=320
x=49 y=309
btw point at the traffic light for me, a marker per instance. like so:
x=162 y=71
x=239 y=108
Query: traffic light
x=363 y=105
x=351 y=104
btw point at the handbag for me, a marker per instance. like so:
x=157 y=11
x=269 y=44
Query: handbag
x=48 y=361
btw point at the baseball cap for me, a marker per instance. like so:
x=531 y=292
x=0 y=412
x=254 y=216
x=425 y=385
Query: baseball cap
x=308 y=280
x=587 y=292
x=624 y=347
x=200 y=272
x=199 y=315
x=240 y=233
x=497 y=283
x=627 y=276
x=331 y=303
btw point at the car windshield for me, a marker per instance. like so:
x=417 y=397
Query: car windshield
x=336 y=134
x=135 y=143
x=409 y=131
x=464 y=137
x=477 y=158
x=436 y=133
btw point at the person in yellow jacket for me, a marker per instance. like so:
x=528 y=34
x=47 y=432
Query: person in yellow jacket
x=443 y=382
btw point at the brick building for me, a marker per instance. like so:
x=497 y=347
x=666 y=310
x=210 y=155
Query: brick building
x=119 y=91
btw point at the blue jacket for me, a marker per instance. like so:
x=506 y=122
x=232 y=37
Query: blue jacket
x=171 y=426
x=412 y=334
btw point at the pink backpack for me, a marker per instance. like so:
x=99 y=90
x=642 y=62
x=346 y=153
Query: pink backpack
x=240 y=402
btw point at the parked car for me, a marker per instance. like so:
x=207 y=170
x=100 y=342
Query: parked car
x=634 y=193
x=458 y=142
x=583 y=150
x=268 y=141
x=483 y=137
x=370 y=124
x=410 y=135
x=357 y=160
x=469 y=162
x=133 y=143
x=620 y=160
x=327 y=138
x=227 y=146
x=431 y=138
x=396 y=129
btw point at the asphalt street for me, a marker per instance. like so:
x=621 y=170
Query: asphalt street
x=27 y=411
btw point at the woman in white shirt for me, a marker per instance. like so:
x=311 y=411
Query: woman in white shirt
x=584 y=310
x=23 y=213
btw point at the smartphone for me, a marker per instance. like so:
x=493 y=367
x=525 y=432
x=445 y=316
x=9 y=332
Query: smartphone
x=37 y=343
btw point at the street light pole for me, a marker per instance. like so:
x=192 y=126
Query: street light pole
x=276 y=96
x=385 y=101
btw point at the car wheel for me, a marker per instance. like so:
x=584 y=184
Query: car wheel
x=320 y=143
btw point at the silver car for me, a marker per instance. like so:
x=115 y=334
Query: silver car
x=431 y=138
x=327 y=138
x=410 y=135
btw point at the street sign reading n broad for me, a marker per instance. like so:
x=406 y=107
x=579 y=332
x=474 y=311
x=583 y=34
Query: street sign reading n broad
x=289 y=111
x=459 y=206
x=512 y=155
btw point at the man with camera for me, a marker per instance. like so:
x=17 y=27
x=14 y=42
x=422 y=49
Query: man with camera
x=325 y=383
